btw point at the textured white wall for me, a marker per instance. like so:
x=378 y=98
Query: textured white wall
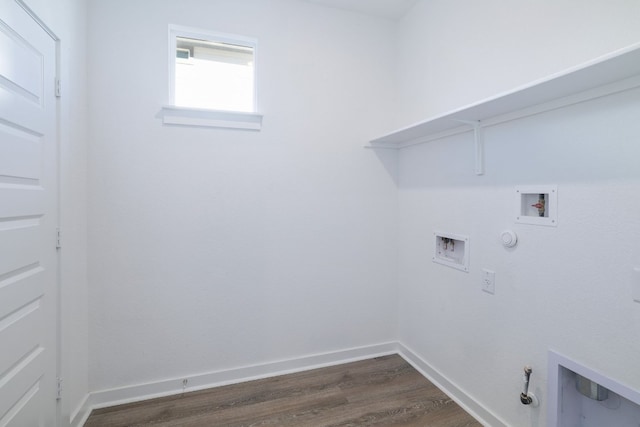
x=213 y=249
x=566 y=288
x=67 y=18
x=454 y=53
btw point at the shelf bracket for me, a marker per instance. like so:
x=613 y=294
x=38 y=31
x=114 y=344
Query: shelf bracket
x=478 y=143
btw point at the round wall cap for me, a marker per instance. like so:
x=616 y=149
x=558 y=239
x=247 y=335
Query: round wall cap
x=509 y=238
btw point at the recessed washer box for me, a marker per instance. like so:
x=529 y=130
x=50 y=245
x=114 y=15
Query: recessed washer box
x=537 y=205
x=451 y=250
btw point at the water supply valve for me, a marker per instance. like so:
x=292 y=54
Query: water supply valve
x=526 y=397
x=540 y=206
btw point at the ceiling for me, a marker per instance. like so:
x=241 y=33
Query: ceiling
x=390 y=9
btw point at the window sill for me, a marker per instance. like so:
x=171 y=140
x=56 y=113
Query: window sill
x=196 y=117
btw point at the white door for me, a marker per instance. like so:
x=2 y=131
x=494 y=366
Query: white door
x=28 y=220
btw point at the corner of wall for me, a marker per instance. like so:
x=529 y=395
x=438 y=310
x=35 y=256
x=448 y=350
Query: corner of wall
x=451 y=389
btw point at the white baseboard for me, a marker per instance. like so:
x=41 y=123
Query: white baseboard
x=139 y=392
x=135 y=393
x=479 y=412
x=80 y=415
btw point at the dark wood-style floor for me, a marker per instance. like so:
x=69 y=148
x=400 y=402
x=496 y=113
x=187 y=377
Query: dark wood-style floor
x=385 y=391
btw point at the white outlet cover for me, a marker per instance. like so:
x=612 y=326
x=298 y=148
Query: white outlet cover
x=488 y=281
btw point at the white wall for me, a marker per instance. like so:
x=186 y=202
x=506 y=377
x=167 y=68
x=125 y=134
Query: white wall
x=214 y=249
x=566 y=288
x=454 y=53
x=67 y=19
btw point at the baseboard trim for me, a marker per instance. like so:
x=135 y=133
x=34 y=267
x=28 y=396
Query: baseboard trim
x=140 y=392
x=136 y=393
x=80 y=415
x=476 y=410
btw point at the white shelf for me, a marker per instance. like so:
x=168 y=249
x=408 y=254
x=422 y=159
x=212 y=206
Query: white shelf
x=606 y=75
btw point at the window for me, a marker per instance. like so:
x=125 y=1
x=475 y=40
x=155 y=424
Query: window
x=214 y=75
x=211 y=80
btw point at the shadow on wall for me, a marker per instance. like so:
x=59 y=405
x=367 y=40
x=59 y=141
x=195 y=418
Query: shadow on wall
x=592 y=141
x=389 y=159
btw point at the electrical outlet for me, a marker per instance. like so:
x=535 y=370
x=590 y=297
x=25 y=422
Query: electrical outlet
x=488 y=281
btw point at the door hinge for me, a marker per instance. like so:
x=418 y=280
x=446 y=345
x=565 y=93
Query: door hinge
x=58 y=238
x=58 y=88
x=59 y=389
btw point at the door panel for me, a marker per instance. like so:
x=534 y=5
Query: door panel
x=26 y=412
x=19 y=204
x=26 y=375
x=28 y=221
x=27 y=321
x=26 y=79
x=20 y=153
x=16 y=245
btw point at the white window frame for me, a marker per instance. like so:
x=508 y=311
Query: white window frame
x=187 y=116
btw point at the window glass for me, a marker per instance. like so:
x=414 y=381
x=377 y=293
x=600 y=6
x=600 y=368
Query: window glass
x=214 y=74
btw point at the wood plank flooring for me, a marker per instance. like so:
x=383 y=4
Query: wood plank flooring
x=385 y=391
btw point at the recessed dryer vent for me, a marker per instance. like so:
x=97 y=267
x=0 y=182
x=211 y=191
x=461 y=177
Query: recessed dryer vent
x=451 y=250
x=537 y=205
